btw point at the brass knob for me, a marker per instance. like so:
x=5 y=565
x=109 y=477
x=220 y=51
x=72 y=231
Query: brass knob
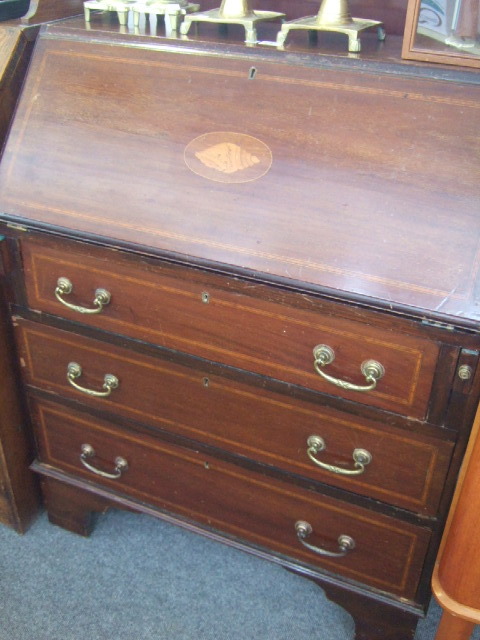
x=465 y=372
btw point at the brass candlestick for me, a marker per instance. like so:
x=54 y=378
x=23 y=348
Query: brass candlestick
x=173 y=12
x=233 y=12
x=334 y=15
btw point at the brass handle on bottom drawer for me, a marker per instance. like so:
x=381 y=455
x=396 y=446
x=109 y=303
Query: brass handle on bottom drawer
x=110 y=382
x=64 y=287
x=361 y=458
x=89 y=452
x=345 y=543
x=371 y=369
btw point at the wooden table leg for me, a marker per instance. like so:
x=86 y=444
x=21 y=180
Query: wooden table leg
x=454 y=628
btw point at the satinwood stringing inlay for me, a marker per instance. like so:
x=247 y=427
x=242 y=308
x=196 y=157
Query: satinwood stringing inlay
x=225 y=156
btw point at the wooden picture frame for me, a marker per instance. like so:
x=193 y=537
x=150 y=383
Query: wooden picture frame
x=445 y=31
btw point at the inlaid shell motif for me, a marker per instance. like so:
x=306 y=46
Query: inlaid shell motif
x=227 y=157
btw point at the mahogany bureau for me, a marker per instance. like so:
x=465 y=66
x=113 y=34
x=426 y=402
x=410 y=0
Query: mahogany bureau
x=244 y=290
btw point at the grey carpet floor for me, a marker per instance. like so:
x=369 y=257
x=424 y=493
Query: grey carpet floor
x=137 y=578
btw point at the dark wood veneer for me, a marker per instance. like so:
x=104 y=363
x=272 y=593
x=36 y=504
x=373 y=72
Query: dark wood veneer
x=157 y=305
x=216 y=494
x=321 y=164
x=233 y=417
x=19 y=495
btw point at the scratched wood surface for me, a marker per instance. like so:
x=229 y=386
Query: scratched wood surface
x=362 y=183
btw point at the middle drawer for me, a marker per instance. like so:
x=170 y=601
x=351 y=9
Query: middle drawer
x=406 y=469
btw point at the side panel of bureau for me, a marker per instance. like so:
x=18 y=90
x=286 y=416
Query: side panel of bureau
x=19 y=496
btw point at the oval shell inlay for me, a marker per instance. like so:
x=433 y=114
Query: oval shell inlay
x=225 y=156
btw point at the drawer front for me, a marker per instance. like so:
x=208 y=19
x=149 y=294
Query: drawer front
x=387 y=555
x=406 y=469
x=225 y=321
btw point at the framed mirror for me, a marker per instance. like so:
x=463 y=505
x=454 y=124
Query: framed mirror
x=446 y=31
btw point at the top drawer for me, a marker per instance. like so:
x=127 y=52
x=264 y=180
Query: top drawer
x=231 y=322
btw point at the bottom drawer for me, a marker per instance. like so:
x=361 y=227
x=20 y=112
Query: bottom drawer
x=387 y=554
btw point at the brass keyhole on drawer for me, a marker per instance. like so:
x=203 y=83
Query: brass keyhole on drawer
x=205 y=297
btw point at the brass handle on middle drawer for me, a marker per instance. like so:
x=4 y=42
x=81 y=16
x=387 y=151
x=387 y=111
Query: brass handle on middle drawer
x=64 y=287
x=89 y=452
x=110 y=382
x=361 y=458
x=371 y=369
x=345 y=543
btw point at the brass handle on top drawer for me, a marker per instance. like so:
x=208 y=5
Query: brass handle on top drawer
x=110 y=382
x=361 y=458
x=89 y=452
x=371 y=369
x=345 y=543
x=64 y=287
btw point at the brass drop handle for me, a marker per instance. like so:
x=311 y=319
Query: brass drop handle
x=304 y=530
x=361 y=458
x=64 y=287
x=110 y=382
x=88 y=451
x=371 y=369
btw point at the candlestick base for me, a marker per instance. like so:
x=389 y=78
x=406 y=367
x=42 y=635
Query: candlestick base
x=352 y=27
x=249 y=21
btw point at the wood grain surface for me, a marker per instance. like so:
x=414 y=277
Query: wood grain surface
x=167 y=306
x=456 y=578
x=407 y=470
x=19 y=494
x=247 y=506
x=15 y=50
x=384 y=207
